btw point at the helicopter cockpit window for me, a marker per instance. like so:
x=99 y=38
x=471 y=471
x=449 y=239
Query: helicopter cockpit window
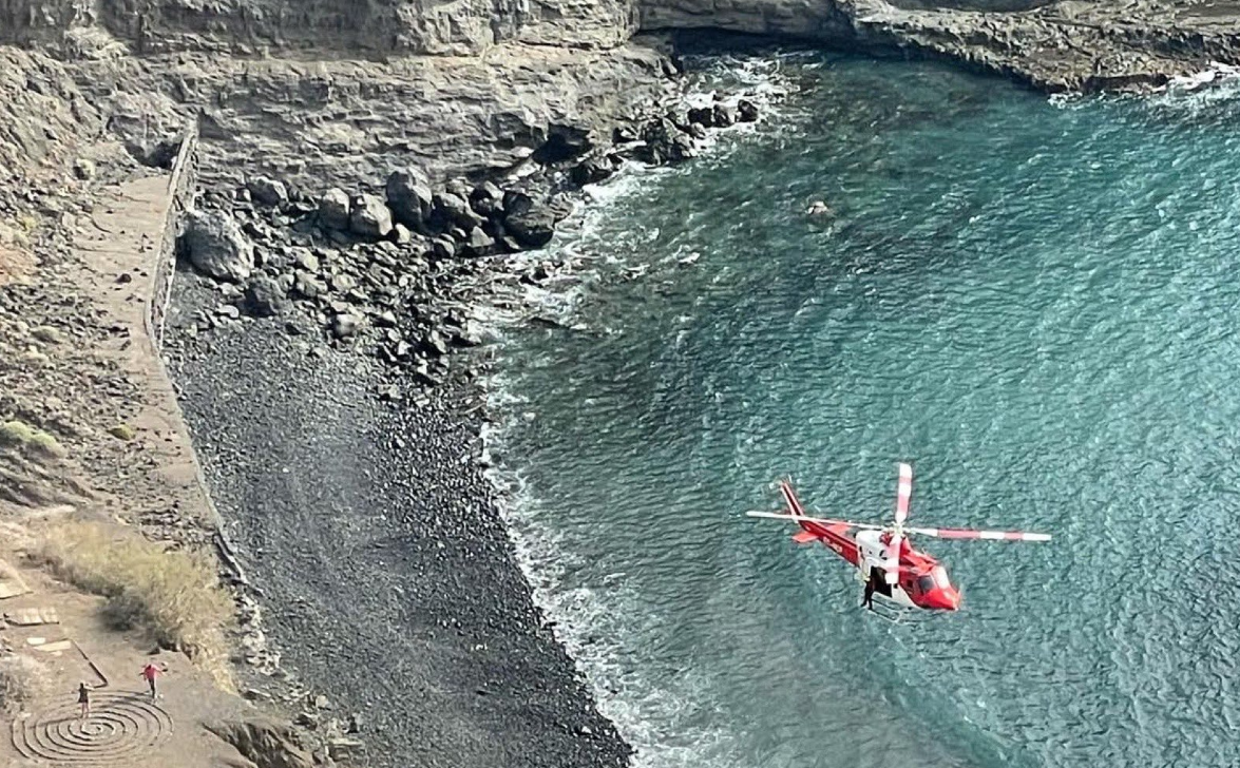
x=937 y=577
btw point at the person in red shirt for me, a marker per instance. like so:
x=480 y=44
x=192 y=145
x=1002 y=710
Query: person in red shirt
x=150 y=672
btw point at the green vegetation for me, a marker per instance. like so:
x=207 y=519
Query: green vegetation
x=174 y=595
x=20 y=435
x=122 y=432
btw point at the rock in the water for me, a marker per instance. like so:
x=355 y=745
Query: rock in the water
x=659 y=137
x=747 y=111
x=409 y=197
x=681 y=148
x=267 y=191
x=704 y=116
x=593 y=171
x=217 y=246
x=370 y=217
x=264 y=297
x=334 y=209
x=723 y=116
x=819 y=208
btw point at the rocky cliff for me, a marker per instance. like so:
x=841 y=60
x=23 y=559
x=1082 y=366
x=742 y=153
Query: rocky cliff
x=368 y=26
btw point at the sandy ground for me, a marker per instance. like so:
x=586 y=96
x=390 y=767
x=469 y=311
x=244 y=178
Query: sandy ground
x=126 y=728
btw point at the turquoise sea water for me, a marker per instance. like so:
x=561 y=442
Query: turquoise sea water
x=1034 y=303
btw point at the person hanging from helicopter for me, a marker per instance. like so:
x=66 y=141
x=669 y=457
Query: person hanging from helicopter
x=870 y=585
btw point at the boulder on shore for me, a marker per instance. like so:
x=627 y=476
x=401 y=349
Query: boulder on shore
x=370 y=217
x=216 y=245
x=267 y=191
x=264 y=297
x=334 y=209
x=486 y=199
x=593 y=170
x=264 y=743
x=409 y=197
x=530 y=224
x=452 y=210
x=479 y=243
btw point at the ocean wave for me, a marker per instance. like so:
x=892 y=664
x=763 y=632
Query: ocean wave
x=596 y=623
x=600 y=624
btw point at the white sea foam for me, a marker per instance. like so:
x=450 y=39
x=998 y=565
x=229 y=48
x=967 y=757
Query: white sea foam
x=600 y=624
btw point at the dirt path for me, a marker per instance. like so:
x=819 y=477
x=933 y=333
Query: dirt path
x=60 y=630
x=125 y=729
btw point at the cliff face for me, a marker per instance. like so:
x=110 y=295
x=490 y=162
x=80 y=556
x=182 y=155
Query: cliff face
x=816 y=20
x=375 y=26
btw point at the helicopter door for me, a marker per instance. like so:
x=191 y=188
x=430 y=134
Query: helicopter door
x=878 y=577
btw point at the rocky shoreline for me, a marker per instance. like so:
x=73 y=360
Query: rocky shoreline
x=326 y=340
x=314 y=344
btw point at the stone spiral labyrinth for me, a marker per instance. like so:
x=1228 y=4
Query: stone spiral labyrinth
x=122 y=729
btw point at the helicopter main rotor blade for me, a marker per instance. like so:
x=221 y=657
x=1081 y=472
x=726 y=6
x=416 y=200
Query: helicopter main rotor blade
x=892 y=560
x=819 y=520
x=965 y=533
x=904 y=491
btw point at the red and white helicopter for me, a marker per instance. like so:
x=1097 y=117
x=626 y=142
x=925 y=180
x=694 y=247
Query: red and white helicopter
x=882 y=554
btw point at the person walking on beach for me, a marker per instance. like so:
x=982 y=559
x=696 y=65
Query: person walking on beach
x=150 y=672
x=83 y=701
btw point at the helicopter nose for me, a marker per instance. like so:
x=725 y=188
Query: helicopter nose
x=943 y=598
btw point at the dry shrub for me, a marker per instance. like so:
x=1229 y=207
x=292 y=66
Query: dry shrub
x=174 y=595
x=22 y=680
